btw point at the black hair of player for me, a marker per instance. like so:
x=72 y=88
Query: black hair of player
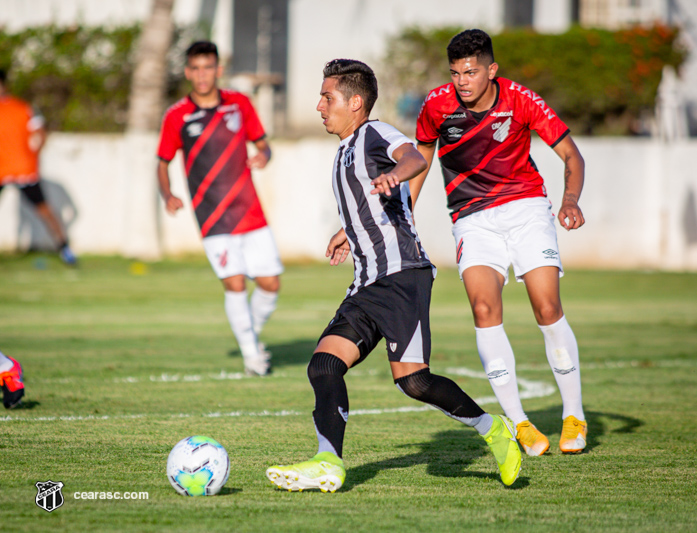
x=202 y=48
x=471 y=43
x=354 y=77
x=3 y=76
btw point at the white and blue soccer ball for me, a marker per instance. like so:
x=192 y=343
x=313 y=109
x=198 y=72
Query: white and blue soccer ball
x=198 y=466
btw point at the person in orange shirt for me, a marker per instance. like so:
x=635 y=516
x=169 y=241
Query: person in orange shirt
x=22 y=135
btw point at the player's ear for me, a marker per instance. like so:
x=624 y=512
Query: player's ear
x=493 y=68
x=356 y=103
x=219 y=71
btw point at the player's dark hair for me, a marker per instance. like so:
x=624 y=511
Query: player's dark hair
x=3 y=76
x=471 y=43
x=201 y=48
x=354 y=77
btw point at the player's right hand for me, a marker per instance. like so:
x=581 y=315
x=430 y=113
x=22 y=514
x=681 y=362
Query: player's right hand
x=338 y=249
x=173 y=204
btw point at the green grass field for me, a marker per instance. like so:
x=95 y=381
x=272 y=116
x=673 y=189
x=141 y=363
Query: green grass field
x=123 y=360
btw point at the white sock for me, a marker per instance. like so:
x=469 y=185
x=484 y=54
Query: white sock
x=262 y=304
x=5 y=363
x=562 y=354
x=240 y=318
x=498 y=361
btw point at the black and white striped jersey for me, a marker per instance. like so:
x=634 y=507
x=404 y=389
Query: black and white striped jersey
x=379 y=228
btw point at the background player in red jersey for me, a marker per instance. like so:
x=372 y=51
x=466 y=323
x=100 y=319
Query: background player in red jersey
x=212 y=127
x=22 y=135
x=501 y=217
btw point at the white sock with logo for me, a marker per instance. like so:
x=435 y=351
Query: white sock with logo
x=263 y=304
x=562 y=354
x=5 y=363
x=240 y=318
x=498 y=361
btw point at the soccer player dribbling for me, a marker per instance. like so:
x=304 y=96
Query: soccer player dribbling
x=502 y=216
x=391 y=292
x=212 y=127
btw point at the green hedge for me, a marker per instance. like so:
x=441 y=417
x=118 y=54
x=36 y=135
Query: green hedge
x=80 y=77
x=600 y=82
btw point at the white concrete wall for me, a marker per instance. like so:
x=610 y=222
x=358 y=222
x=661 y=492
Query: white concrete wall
x=640 y=202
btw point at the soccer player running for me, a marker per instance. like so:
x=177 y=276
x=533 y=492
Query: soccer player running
x=212 y=127
x=391 y=292
x=502 y=216
x=22 y=135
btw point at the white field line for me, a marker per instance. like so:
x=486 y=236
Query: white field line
x=528 y=389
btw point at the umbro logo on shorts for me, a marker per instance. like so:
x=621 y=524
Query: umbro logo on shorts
x=551 y=254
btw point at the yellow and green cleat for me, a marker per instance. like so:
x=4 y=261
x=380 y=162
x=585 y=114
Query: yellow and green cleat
x=325 y=471
x=501 y=440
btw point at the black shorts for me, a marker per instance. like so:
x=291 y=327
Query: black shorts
x=395 y=308
x=34 y=193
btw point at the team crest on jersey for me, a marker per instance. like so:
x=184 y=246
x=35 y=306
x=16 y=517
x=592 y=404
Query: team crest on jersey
x=233 y=122
x=502 y=130
x=393 y=346
x=349 y=156
x=194 y=129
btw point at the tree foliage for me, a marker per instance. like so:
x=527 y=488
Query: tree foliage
x=598 y=81
x=79 y=78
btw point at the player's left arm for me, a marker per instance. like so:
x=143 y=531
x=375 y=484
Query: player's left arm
x=570 y=214
x=261 y=158
x=410 y=163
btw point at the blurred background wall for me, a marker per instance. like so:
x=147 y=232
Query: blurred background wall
x=640 y=195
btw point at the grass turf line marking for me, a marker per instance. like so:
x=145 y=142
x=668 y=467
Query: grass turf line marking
x=529 y=389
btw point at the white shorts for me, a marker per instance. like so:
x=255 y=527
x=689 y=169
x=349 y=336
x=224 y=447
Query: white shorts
x=521 y=233
x=253 y=254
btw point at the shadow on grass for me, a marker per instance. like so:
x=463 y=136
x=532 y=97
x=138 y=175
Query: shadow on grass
x=26 y=404
x=549 y=420
x=225 y=491
x=289 y=354
x=449 y=454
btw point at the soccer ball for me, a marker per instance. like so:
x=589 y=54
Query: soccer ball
x=198 y=466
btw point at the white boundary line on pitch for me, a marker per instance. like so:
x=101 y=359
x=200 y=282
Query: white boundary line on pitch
x=223 y=375
x=529 y=389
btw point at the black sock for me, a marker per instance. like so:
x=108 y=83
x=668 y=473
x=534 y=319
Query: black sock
x=440 y=392
x=326 y=373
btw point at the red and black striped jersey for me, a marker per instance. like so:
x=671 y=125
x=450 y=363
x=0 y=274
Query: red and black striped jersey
x=215 y=160
x=486 y=160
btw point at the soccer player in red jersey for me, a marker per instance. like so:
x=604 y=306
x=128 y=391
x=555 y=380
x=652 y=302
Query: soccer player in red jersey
x=502 y=216
x=212 y=127
x=22 y=135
